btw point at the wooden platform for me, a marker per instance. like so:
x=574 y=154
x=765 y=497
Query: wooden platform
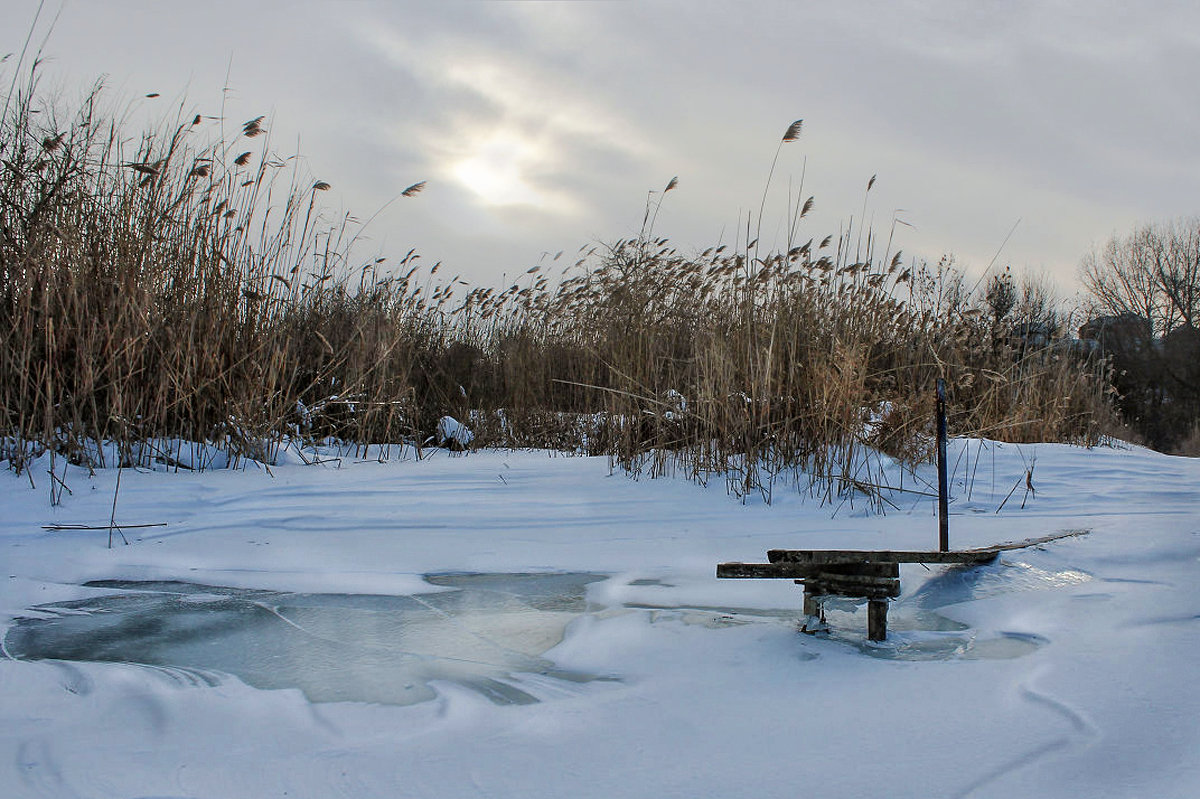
x=873 y=575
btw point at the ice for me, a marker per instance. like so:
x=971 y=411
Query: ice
x=334 y=648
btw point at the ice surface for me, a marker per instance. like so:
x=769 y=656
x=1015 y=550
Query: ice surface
x=390 y=649
x=334 y=648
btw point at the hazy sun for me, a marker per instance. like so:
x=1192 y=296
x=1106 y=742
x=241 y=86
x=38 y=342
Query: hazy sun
x=495 y=172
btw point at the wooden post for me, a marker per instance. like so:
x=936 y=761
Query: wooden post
x=943 y=481
x=812 y=605
x=877 y=619
x=814 y=613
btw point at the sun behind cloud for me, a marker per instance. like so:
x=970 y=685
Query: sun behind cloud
x=492 y=120
x=495 y=172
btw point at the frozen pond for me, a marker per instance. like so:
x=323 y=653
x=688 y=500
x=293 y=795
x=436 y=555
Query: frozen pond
x=486 y=632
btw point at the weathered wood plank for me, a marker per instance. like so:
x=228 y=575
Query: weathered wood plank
x=858 y=590
x=825 y=557
x=801 y=571
x=767 y=570
x=1031 y=542
x=860 y=569
x=853 y=580
x=964 y=556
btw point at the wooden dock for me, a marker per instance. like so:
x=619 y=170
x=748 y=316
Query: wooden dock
x=873 y=575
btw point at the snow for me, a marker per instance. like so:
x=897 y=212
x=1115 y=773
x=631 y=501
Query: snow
x=1065 y=670
x=450 y=431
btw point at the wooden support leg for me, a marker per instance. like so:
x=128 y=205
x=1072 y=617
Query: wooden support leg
x=877 y=619
x=814 y=614
x=812 y=605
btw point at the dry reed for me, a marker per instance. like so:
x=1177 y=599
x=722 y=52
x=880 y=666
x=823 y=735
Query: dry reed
x=180 y=289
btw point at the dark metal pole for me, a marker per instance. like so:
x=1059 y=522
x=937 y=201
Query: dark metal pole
x=943 y=489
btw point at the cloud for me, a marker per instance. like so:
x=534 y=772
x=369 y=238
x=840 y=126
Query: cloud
x=544 y=125
x=502 y=127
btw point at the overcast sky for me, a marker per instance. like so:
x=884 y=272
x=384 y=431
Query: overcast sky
x=542 y=126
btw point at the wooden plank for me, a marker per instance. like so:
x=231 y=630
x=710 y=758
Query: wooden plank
x=861 y=569
x=64 y=527
x=854 y=579
x=799 y=571
x=965 y=556
x=858 y=590
x=1032 y=542
x=791 y=571
x=822 y=557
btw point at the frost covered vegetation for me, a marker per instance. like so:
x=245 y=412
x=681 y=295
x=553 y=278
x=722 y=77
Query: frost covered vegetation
x=181 y=286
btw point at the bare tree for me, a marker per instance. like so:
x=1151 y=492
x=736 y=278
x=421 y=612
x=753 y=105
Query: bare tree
x=1177 y=270
x=1154 y=273
x=1148 y=285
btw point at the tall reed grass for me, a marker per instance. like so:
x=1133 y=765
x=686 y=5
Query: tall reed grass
x=178 y=286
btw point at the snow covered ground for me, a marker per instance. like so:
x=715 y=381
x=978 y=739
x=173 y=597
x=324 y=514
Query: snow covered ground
x=1063 y=671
